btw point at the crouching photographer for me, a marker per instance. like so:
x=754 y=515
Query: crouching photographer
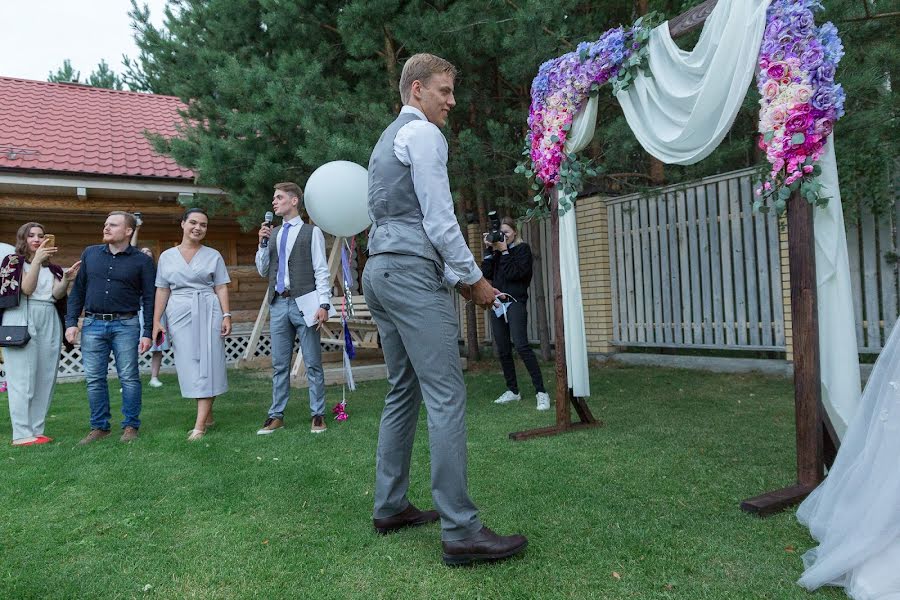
x=508 y=265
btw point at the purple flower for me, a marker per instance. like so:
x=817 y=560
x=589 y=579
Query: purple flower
x=825 y=97
x=799 y=122
x=825 y=72
x=778 y=70
x=812 y=57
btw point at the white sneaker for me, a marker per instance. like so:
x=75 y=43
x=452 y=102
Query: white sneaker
x=543 y=401
x=507 y=396
x=154 y=382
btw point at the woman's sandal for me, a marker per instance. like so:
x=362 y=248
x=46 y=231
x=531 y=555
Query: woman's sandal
x=195 y=434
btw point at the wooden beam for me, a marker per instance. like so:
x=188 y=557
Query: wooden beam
x=691 y=19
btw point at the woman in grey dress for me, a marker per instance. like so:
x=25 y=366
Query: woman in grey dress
x=192 y=293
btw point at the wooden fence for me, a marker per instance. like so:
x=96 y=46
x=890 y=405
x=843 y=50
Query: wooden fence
x=693 y=267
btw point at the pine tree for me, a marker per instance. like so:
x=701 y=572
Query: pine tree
x=64 y=74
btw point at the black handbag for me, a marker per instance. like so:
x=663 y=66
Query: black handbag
x=15 y=336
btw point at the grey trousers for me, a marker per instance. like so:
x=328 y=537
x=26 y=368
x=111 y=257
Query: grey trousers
x=285 y=325
x=419 y=332
x=31 y=369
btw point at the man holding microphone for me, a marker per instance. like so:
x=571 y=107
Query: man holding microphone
x=415 y=247
x=295 y=264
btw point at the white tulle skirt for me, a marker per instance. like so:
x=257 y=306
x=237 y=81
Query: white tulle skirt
x=855 y=513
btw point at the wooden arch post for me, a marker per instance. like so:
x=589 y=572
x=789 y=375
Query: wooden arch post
x=564 y=394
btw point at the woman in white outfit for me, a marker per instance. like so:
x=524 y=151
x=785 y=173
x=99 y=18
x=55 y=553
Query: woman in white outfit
x=192 y=292
x=855 y=513
x=30 y=290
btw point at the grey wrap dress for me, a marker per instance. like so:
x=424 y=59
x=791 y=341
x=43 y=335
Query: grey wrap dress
x=194 y=316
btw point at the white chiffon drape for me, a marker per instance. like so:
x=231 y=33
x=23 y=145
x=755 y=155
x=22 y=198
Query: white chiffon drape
x=855 y=513
x=680 y=115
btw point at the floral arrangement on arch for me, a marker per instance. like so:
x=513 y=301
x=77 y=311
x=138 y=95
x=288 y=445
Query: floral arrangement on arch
x=800 y=100
x=560 y=89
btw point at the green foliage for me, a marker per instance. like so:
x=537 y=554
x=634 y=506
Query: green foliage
x=101 y=77
x=651 y=496
x=277 y=88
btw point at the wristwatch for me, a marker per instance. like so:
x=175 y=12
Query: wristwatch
x=458 y=285
x=326 y=306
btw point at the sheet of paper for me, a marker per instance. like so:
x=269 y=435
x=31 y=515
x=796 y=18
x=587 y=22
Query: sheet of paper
x=308 y=304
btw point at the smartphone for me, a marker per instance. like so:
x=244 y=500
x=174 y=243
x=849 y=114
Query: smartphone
x=160 y=338
x=51 y=240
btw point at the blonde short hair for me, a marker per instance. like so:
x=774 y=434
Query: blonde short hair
x=421 y=67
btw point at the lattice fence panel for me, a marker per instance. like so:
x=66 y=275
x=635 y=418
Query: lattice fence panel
x=70 y=360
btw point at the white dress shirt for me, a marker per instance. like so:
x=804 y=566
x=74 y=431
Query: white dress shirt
x=320 y=264
x=420 y=145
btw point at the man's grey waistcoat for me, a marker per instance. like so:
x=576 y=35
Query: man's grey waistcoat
x=393 y=206
x=299 y=266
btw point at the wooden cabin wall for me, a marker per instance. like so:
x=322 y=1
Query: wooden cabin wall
x=79 y=223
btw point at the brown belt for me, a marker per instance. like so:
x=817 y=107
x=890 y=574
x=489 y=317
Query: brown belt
x=284 y=294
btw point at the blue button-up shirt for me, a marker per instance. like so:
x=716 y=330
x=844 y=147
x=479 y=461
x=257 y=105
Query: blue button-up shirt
x=113 y=283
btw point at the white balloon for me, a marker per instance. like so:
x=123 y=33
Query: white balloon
x=336 y=198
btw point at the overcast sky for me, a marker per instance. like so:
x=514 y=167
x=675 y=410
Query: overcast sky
x=37 y=35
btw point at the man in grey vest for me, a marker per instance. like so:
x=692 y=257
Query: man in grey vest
x=294 y=261
x=415 y=249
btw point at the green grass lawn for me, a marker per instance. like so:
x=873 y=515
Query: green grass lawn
x=644 y=507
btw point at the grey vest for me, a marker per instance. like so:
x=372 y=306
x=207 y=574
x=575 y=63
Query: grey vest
x=299 y=265
x=393 y=205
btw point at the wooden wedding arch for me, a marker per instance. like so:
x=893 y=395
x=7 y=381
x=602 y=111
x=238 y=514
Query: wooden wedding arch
x=816 y=440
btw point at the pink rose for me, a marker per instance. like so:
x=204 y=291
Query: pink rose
x=802 y=94
x=770 y=89
x=799 y=122
x=778 y=70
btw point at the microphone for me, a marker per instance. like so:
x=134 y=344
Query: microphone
x=268 y=222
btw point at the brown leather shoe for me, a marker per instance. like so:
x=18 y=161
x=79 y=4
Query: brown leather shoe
x=129 y=434
x=271 y=425
x=93 y=436
x=409 y=517
x=484 y=546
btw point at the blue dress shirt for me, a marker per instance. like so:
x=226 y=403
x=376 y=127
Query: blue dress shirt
x=113 y=283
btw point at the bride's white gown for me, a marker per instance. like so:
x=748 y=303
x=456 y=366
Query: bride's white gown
x=855 y=513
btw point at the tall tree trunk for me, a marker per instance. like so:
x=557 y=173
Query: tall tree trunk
x=540 y=299
x=390 y=61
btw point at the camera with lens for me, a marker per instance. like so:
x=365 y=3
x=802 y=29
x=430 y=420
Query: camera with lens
x=494 y=235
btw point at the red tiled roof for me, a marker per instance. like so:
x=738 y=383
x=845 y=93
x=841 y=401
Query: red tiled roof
x=79 y=129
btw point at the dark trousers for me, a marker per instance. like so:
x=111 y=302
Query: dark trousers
x=515 y=333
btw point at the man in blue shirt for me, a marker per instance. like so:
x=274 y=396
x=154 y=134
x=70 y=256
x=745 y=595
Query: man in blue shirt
x=114 y=282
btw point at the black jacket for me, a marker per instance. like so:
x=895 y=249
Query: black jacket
x=511 y=272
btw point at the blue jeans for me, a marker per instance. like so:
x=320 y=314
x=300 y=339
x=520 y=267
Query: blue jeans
x=285 y=325
x=98 y=339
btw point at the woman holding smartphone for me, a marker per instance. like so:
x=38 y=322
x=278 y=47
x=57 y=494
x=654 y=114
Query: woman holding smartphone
x=32 y=293
x=192 y=293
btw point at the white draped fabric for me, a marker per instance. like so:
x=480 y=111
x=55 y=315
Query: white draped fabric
x=680 y=115
x=570 y=277
x=855 y=513
x=838 y=355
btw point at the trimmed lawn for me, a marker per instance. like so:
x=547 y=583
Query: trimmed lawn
x=644 y=507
